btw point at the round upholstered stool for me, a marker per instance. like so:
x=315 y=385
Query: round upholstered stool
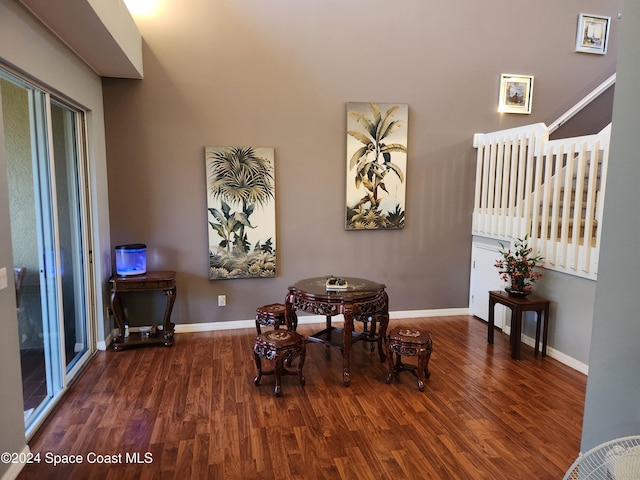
x=273 y=315
x=409 y=342
x=279 y=345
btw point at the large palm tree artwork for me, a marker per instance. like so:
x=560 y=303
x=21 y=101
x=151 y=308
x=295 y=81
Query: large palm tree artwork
x=376 y=165
x=241 y=211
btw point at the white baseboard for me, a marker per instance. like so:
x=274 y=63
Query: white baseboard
x=103 y=345
x=443 y=312
x=307 y=319
x=555 y=354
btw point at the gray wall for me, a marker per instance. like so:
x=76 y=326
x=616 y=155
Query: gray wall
x=278 y=74
x=612 y=408
x=571 y=315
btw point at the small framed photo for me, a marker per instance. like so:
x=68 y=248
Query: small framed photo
x=593 y=33
x=516 y=93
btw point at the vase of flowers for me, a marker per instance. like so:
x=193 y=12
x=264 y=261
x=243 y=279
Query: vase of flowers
x=518 y=265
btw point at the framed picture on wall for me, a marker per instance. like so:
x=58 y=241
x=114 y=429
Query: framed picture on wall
x=376 y=165
x=516 y=93
x=241 y=212
x=593 y=33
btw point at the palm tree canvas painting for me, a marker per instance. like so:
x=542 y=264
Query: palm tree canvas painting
x=241 y=212
x=376 y=165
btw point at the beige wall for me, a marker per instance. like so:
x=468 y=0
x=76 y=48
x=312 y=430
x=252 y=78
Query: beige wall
x=278 y=74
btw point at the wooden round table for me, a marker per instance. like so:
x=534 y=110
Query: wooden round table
x=360 y=298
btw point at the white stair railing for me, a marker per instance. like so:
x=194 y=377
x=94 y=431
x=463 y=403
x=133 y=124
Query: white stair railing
x=551 y=191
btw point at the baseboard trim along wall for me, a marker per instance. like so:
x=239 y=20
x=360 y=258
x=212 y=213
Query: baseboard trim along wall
x=308 y=319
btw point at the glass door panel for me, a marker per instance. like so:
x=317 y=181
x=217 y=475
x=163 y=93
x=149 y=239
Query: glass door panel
x=20 y=146
x=67 y=174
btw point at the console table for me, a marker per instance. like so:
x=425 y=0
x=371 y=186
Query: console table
x=151 y=281
x=518 y=306
x=360 y=298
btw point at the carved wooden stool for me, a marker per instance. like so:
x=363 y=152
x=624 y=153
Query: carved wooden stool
x=273 y=316
x=279 y=345
x=409 y=342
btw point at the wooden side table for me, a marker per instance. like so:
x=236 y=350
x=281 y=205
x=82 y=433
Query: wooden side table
x=151 y=281
x=518 y=306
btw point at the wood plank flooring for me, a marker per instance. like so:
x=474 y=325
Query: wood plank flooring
x=193 y=411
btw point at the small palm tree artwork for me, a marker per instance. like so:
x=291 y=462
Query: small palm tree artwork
x=241 y=212
x=376 y=165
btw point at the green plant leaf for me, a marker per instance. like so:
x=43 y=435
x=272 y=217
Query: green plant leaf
x=392 y=127
x=397 y=170
x=381 y=132
x=243 y=219
x=394 y=147
x=364 y=122
x=217 y=215
x=361 y=137
x=357 y=156
x=225 y=208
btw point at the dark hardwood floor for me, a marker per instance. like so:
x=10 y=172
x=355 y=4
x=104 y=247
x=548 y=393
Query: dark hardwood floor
x=193 y=411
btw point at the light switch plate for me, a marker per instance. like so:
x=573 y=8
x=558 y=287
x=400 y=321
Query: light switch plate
x=3 y=278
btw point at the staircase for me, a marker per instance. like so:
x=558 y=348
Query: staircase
x=550 y=190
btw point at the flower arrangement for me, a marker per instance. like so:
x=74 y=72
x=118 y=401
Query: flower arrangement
x=517 y=266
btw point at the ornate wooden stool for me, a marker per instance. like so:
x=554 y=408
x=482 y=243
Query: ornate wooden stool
x=273 y=316
x=279 y=345
x=409 y=342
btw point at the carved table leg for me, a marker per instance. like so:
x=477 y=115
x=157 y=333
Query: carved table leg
x=290 y=317
x=278 y=372
x=303 y=354
x=346 y=352
x=167 y=325
x=420 y=371
x=256 y=381
x=384 y=323
x=118 y=313
x=390 y=359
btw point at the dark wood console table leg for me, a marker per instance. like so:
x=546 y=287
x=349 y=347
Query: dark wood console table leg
x=516 y=332
x=168 y=326
x=492 y=304
x=545 y=330
x=118 y=315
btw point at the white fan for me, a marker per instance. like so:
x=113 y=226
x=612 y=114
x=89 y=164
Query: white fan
x=617 y=459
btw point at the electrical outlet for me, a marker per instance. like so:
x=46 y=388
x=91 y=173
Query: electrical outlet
x=222 y=300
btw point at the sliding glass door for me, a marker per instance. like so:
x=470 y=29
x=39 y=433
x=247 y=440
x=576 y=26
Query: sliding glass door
x=44 y=146
x=72 y=251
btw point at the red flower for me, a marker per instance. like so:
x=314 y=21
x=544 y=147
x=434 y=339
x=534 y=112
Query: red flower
x=518 y=266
